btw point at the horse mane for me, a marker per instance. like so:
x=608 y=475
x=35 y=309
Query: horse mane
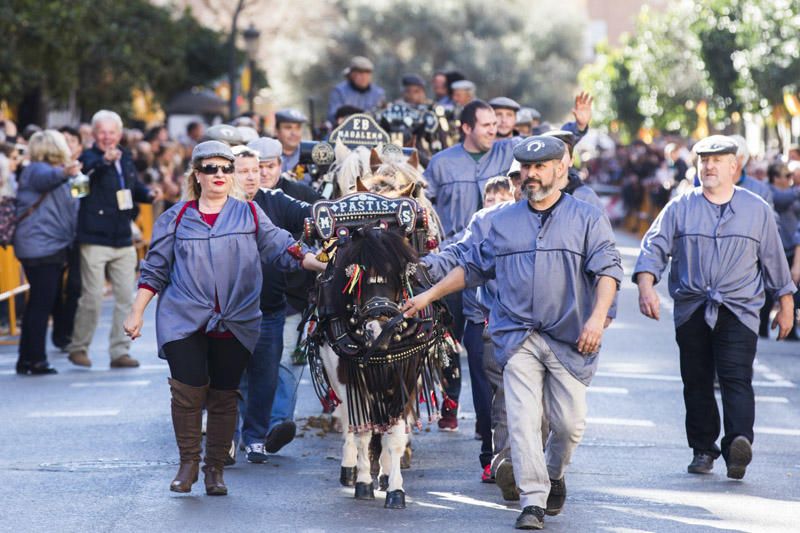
x=348 y=168
x=384 y=252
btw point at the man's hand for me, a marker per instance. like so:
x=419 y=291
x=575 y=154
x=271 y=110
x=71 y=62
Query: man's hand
x=583 y=110
x=311 y=263
x=112 y=154
x=784 y=320
x=416 y=304
x=649 y=302
x=73 y=168
x=589 y=341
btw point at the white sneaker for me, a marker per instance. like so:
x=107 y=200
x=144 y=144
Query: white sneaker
x=255 y=453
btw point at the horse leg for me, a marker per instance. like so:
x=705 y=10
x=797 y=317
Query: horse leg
x=386 y=466
x=347 y=471
x=364 y=489
x=395 y=441
x=347 y=476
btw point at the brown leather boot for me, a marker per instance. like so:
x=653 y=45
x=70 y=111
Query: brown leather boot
x=187 y=416
x=221 y=406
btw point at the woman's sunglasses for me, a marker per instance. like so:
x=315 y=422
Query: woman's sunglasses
x=213 y=169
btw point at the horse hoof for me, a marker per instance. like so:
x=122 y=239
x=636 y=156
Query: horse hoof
x=347 y=476
x=364 y=491
x=383 y=483
x=395 y=499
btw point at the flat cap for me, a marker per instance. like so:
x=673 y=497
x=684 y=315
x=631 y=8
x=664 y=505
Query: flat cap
x=565 y=136
x=208 y=149
x=360 y=63
x=267 y=148
x=715 y=145
x=224 y=133
x=463 y=85
x=290 y=115
x=503 y=102
x=412 y=79
x=247 y=133
x=538 y=148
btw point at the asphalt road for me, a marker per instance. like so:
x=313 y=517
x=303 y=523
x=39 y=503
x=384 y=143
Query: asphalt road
x=93 y=450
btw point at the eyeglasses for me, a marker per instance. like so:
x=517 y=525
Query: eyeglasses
x=213 y=169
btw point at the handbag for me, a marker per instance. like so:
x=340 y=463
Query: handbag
x=8 y=219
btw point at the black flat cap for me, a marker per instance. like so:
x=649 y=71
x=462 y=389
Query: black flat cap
x=412 y=79
x=290 y=115
x=538 y=148
x=502 y=102
x=565 y=136
x=715 y=145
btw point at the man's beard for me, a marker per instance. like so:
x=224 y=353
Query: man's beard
x=540 y=194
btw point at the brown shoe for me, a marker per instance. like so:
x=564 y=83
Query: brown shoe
x=124 y=361
x=80 y=358
x=187 y=414
x=222 y=407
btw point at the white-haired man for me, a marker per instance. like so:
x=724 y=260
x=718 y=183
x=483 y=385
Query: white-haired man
x=104 y=236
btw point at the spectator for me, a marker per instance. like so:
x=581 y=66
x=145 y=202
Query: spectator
x=106 y=245
x=357 y=89
x=47 y=216
x=289 y=131
x=414 y=90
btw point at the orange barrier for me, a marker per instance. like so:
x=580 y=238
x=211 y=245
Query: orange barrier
x=12 y=282
x=145 y=221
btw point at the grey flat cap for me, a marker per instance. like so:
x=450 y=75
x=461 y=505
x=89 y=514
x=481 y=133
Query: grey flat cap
x=208 y=149
x=361 y=63
x=526 y=115
x=565 y=136
x=715 y=145
x=502 y=102
x=463 y=85
x=538 y=148
x=412 y=79
x=290 y=115
x=224 y=133
x=267 y=148
x=247 y=133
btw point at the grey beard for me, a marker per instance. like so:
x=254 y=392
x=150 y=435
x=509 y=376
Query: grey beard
x=541 y=194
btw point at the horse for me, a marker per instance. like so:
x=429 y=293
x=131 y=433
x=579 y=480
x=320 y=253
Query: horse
x=378 y=366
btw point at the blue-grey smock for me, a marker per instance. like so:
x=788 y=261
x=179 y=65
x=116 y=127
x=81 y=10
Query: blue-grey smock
x=344 y=93
x=192 y=265
x=546 y=276
x=717 y=256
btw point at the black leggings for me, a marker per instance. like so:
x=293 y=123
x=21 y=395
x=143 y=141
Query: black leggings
x=199 y=359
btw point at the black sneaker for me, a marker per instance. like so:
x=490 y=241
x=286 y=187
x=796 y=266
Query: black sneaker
x=702 y=463
x=280 y=436
x=740 y=454
x=531 y=517
x=557 y=496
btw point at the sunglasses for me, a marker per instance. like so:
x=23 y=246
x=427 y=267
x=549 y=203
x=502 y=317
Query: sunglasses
x=213 y=169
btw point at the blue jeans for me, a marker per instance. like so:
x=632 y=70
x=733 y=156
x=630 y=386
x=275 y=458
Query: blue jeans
x=288 y=375
x=481 y=389
x=260 y=380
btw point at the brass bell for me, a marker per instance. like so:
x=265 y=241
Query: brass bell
x=397 y=338
x=353 y=320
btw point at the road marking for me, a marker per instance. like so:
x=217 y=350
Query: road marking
x=777 y=431
x=608 y=390
x=73 y=414
x=621 y=422
x=763 y=399
x=785 y=384
x=460 y=498
x=135 y=383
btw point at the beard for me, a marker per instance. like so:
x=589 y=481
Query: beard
x=541 y=193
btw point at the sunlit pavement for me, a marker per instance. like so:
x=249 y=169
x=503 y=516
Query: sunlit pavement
x=94 y=451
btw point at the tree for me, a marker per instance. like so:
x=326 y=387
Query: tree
x=531 y=58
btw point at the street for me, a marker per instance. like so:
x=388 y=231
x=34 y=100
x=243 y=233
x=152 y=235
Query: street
x=93 y=450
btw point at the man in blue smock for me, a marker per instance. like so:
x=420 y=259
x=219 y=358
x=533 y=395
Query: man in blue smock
x=289 y=131
x=357 y=89
x=722 y=245
x=557 y=270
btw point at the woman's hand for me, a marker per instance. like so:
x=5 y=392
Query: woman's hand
x=133 y=325
x=73 y=168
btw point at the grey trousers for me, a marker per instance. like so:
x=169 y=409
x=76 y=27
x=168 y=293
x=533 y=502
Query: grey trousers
x=120 y=265
x=494 y=372
x=537 y=385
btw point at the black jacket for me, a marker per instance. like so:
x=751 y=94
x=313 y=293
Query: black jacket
x=99 y=219
x=298 y=190
x=289 y=214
